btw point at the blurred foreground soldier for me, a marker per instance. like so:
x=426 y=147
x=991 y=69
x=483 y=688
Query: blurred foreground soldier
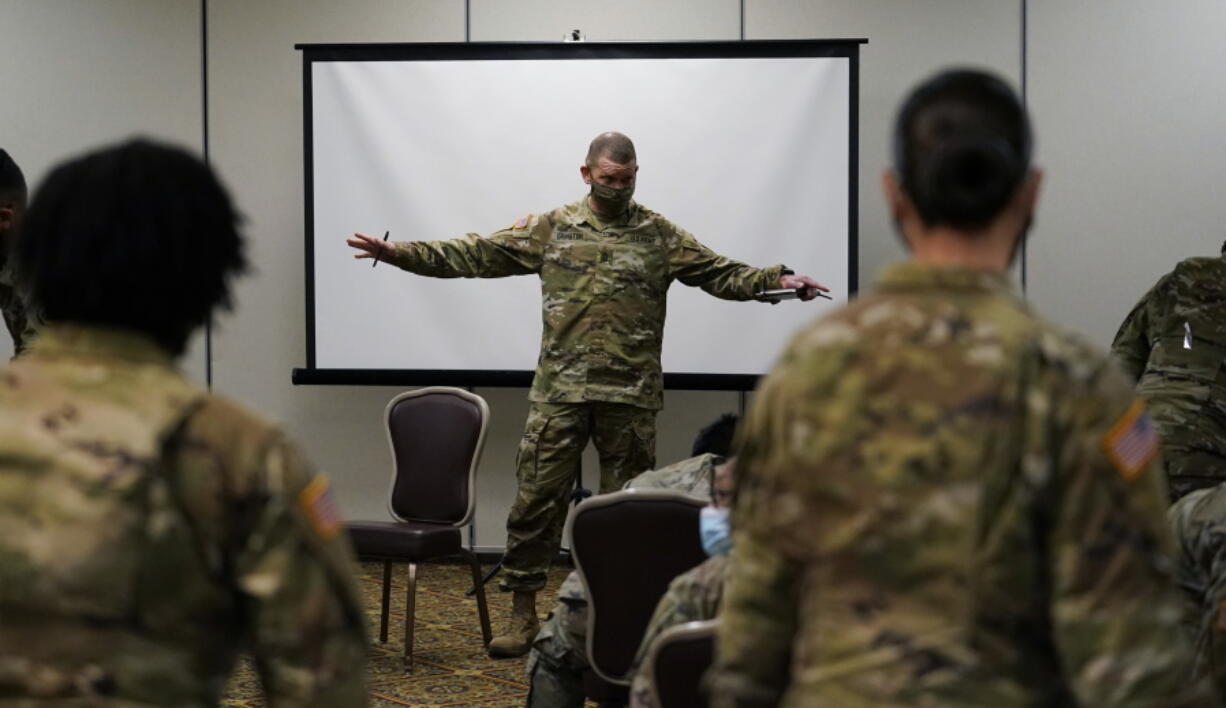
x=17 y=319
x=1199 y=522
x=943 y=500
x=1173 y=344
x=151 y=531
x=605 y=264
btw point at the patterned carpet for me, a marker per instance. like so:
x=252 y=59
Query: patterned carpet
x=450 y=666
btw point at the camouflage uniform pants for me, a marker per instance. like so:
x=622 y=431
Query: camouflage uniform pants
x=559 y=652
x=546 y=466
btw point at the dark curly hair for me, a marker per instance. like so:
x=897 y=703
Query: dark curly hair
x=139 y=235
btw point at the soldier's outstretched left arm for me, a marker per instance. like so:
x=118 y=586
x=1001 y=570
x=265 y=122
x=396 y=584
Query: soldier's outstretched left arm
x=297 y=578
x=698 y=266
x=1115 y=607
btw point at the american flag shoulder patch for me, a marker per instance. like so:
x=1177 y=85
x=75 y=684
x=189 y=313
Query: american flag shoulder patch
x=320 y=508
x=1132 y=442
x=522 y=223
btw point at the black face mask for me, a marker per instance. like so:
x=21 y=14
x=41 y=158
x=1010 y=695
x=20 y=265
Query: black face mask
x=612 y=201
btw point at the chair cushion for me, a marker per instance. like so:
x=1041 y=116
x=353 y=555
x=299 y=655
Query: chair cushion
x=407 y=541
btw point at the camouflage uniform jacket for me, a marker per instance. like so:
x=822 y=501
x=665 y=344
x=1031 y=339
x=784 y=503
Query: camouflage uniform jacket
x=943 y=501
x=604 y=288
x=149 y=532
x=691 y=476
x=1199 y=522
x=1173 y=344
x=692 y=596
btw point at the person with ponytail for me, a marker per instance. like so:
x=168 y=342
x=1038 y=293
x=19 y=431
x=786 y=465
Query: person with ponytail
x=943 y=500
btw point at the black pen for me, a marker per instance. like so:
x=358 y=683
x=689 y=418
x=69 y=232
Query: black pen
x=380 y=251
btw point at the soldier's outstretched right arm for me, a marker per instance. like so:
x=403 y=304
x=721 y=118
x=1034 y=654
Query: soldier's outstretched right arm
x=516 y=250
x=297 y=579
x=1115 y=607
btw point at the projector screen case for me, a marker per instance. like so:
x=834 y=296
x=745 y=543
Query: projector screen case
x=750 y=146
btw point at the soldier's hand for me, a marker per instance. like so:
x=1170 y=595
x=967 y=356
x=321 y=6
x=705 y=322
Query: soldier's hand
x=369 y=246
x=809 y=285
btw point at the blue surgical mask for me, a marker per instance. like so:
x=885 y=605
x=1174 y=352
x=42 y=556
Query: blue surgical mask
x=713 y=529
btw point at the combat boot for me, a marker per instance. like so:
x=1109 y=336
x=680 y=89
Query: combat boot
x=517 y=638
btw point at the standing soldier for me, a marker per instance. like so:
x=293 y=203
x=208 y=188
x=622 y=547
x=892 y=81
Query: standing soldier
x=17 y=317
x=1173 y=345
x=605 y=264
x=151 y=531
x=943 y=500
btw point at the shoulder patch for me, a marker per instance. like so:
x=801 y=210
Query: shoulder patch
x=1132 y=442
x=319 y=505
x=522 y=222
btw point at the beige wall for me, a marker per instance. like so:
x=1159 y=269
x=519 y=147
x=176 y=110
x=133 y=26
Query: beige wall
x=1125 y=99
x=1129 y=101
x=74 y=75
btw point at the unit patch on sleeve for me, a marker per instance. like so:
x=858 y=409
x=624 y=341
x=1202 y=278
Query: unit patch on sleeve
x=1132 y=442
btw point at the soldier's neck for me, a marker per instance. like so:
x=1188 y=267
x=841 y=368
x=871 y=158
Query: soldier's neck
x=990 y=249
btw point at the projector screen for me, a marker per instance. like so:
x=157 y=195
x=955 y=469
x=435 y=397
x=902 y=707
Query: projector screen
x=750 y=146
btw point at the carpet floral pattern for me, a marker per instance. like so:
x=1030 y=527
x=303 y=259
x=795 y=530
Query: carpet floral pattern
x=450 y=667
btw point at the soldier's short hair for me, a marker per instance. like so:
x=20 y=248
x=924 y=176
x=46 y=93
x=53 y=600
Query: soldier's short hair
x=12 y=181
x=139 y=235
x=962 y=146
x=614 y=146
x=716 y=438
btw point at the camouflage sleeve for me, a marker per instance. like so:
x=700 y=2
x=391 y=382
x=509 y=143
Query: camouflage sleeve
x=756 y=627
x=514 y=251
x=297 y=578
x=1199 y=523
x=1135 y=336
x=1115 y=607
x=759 y=611
x=696 y=265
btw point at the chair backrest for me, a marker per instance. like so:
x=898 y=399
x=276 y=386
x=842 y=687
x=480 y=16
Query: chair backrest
x=628 y=546
x=678 y=659
x=436 y=435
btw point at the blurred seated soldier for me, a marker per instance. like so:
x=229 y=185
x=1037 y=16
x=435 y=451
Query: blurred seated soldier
x=149 y=530
x=1199 y=522
x=559 y=651
x=1173 y=345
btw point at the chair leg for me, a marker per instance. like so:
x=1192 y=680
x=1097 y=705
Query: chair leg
x=409 y=610
x=482 y=609
x=387 y=600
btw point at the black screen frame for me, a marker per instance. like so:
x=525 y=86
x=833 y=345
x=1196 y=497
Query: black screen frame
x=478 y=51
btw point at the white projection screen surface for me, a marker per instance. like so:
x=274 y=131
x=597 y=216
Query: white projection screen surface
x=750 y=146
